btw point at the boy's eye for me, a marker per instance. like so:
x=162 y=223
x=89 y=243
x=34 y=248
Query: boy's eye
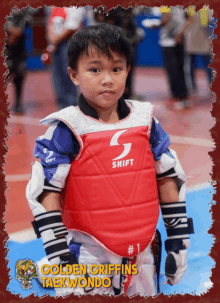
x=117 y=69
x=94 y=70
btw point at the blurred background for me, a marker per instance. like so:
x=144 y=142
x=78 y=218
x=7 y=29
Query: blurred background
x=173 y=50
x=173 y=45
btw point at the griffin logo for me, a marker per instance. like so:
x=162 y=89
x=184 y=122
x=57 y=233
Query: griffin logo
x=127 y=148
x=25 y=271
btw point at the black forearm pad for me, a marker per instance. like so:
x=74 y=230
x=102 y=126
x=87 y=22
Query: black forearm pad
x=68 y=259
x=174 y=245
x=49 y=220
x=178 y=226
x=56 y=248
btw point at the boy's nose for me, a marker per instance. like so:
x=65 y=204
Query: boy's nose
x=107 y=79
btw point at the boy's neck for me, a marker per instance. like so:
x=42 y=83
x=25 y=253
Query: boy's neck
x=108 y=115
x=121 y=112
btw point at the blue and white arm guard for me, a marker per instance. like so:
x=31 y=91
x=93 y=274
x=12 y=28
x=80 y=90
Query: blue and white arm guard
x=169 y=166
x=177 y=225
x=47 y=225
x=166 y=160
x=54 y=149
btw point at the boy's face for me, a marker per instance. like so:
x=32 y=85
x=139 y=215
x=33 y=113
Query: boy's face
x=101 y=79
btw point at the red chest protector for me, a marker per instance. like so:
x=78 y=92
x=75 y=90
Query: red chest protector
x=111 y=191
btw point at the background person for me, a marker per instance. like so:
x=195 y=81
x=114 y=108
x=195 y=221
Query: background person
x=125 y=19
x=15 y=50
x=172 y=43
x=62 y=23
x=198 y=42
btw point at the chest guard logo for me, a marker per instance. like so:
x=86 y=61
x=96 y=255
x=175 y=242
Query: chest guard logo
x=127 y=148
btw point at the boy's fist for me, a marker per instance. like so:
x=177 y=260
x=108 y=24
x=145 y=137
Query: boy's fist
x=176 y=260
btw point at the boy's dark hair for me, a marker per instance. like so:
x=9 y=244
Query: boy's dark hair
x=105 y=38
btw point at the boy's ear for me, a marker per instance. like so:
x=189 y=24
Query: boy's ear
x=73 y=75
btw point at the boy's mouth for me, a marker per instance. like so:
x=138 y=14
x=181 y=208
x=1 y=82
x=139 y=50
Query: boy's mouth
x=107 y=92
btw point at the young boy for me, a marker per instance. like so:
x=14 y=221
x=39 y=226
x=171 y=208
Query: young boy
x=109 y=160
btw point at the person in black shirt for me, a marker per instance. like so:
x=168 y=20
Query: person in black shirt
x=15 y=50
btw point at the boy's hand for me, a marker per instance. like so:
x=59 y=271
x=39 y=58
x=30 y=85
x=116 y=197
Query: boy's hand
x=176 y=260
x=178 y=228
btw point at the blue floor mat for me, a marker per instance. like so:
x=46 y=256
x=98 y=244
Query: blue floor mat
x=196 y=279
